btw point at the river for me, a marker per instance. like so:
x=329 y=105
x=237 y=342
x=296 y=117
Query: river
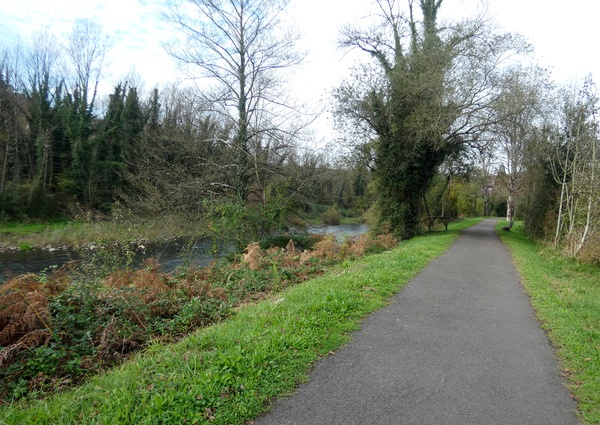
x=170 y=255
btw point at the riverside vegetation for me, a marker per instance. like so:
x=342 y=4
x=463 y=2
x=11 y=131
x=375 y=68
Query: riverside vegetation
x=226 y=373
x=565 y=294
x=59 y=234
x=59 y=327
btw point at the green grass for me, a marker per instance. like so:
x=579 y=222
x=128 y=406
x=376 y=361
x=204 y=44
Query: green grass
x=229 y=373
x=20 y=229
x=71 y=233
x=566 y=298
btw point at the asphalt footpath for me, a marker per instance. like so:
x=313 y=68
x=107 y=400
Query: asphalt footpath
x=458 y=345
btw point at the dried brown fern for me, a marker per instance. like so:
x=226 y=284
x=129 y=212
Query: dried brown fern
x=326 y=248
x=23 y=309
x=290 y=248
x=359 y=246
x=30 y=340
x=386 y=240
x=253 y=256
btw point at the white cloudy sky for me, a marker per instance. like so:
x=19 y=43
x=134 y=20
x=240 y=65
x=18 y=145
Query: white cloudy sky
x=565 y=34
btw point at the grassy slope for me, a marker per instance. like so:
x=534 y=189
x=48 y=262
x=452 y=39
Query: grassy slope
x=566 y=297
x=227 y=374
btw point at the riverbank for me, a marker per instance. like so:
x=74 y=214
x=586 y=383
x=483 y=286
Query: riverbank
x=228 y=373
x=171 y=252
x=69 y=322
x=68 y=234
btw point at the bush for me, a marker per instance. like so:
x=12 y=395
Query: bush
x=331 y=217
x=303 y=242
x=590 y=253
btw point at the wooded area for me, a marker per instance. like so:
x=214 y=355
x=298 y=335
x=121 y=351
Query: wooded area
x=440 y=120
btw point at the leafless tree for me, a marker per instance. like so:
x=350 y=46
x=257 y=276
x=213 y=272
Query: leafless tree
x=242 y=47
x=576 y=165
x=86 y=47
x=518 y=113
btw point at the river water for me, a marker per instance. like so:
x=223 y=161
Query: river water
x=170 y=255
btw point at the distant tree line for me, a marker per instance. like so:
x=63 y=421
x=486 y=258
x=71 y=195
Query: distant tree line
x=64 y=148
x=443 y=120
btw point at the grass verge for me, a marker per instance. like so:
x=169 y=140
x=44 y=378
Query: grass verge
x=229 y=373
x=566 y=298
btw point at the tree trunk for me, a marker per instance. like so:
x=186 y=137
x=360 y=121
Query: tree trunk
x=590 y=203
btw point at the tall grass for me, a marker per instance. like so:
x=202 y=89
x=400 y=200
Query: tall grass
x=566 y=297
x=71 y=233
x=229 y=373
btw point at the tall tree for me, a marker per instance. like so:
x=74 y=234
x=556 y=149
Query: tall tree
x=518 y=115
x=13 y=120
x=576 y=167
x=241 y=46
x=86 y=48
x=422 y=99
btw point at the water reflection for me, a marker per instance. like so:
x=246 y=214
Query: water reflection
x=340 y=231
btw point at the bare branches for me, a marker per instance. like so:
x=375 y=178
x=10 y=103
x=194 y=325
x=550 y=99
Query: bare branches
x=86 y=48
x=575 y=165
x=240 y=46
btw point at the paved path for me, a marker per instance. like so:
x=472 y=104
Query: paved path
x=459 y=345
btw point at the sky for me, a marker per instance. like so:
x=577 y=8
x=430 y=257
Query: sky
x=565 y=36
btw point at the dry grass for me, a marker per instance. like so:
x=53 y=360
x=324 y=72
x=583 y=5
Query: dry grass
x=24 y=315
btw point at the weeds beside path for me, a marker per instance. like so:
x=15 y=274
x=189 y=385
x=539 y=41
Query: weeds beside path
x=566 y=298
x=226 y=374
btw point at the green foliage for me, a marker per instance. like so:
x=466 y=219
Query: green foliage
x=331 y=216
x=27 y=201
x=566 y=298
x=234 y=223
x=103 y=257
x=229 y=223
x=40 y=202
x=405 y=109
x=301 y=241
x=229 y=373
x=540 y=198
x=24 y=246
x=500 y=209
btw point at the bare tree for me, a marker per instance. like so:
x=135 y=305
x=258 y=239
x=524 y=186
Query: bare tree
x=242 y=48
x=180 y=159
x=576 y=164
x=517 y=116
x=86 y=47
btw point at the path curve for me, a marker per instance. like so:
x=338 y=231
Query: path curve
x=458 y=345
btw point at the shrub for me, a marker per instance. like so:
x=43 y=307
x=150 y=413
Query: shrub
x=331 y=217
x=590 y=253
x=301 y=241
